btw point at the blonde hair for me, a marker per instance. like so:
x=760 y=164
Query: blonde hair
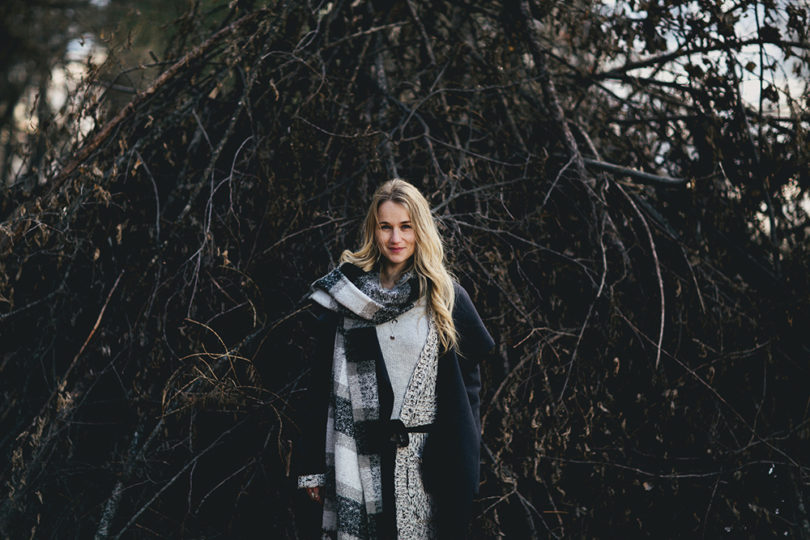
x=428 y=257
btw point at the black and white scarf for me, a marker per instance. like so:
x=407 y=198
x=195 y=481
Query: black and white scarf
x=353 y=503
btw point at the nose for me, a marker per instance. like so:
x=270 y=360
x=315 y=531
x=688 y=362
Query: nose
x=394 y=236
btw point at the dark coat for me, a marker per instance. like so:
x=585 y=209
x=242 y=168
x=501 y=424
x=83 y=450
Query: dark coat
x=450 y=461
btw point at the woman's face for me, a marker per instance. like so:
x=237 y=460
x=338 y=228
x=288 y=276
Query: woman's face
x=395 y=236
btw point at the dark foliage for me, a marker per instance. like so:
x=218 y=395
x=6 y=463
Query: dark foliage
x=653 y=331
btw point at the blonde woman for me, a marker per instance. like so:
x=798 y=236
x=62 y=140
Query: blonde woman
x=392 y=443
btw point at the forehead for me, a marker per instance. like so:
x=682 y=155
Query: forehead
x=392 y=212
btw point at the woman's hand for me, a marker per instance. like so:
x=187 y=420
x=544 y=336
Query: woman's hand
x=315 y=494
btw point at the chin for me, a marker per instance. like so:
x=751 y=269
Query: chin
x=398 y=259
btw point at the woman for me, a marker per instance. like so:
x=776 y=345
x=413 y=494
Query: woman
x=393 y=445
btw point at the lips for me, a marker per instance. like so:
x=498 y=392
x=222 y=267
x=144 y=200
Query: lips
x=396 y=250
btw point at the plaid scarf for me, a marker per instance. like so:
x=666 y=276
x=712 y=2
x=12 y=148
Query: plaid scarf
x=353 y=503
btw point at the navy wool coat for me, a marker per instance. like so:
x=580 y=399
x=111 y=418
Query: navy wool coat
x=451 y=457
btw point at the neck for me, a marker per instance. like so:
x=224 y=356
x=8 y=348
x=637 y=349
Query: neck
x=390 y=274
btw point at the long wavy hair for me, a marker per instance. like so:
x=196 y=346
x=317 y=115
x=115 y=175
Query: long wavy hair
x=428 y=256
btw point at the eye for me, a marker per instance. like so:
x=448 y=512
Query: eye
x=385 y=227
x=406 y=226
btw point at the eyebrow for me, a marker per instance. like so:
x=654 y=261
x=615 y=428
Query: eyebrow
x=401 y=222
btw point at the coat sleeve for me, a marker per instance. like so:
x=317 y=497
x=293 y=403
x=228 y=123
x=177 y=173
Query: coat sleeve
x=310 y=456
x=451 y=457
x=474 y=339
x=475 y=345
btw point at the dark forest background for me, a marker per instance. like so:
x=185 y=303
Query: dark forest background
x=623 y=188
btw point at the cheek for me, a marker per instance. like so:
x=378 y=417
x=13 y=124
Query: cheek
x=383 y=237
